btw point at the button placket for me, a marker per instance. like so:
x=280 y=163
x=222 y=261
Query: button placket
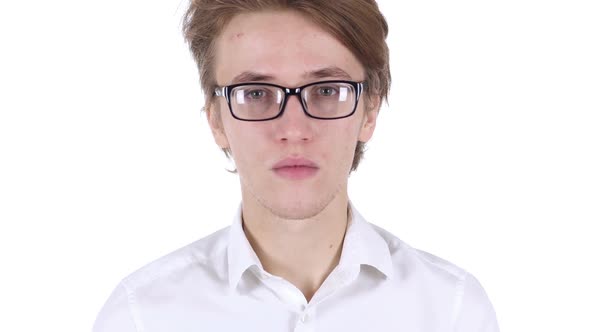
x=305 y=321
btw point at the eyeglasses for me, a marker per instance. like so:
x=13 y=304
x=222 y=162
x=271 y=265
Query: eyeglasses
x=325 y=100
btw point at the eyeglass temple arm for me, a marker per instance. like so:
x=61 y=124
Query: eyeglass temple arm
x=219 y=91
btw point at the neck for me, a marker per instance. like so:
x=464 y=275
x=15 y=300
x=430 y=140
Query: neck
x=302 y=251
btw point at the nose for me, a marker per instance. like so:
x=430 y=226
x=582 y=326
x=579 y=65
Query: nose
x=294 y=125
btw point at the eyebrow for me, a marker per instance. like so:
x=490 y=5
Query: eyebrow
x=250 y=76
x=332 y=72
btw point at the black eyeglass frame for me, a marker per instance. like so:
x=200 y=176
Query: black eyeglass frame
x=225 y=91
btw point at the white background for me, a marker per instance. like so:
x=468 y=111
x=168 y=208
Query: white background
x=482 y=156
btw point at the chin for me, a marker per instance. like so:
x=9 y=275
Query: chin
x=296 y=213
x=292 y=202
x=297 y=209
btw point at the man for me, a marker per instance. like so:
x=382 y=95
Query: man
x=293 y=90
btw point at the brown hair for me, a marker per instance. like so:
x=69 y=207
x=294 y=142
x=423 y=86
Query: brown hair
x=357 y=24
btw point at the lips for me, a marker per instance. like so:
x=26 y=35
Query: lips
x=295 y=162
x=295 y=168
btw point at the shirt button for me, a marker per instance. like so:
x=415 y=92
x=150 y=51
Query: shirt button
x=303 y=318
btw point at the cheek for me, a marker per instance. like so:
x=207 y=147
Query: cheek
x=246 y=142
x=343 y=141
x=246 y=134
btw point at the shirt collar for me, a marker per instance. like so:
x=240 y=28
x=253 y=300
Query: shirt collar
x=362 y=246
x=240 y=255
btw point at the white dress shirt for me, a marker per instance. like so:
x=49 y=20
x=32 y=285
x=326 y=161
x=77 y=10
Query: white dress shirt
x=218 y=284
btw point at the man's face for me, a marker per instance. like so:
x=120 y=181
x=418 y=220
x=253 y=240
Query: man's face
x=285 y=48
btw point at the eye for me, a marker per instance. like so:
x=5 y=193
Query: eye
x=326 y=91
x=256 y=94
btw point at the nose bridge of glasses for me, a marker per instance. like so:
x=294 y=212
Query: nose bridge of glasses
x=290 y=91
x=296 y=92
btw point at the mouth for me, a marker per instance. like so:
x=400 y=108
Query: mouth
x=295 y=168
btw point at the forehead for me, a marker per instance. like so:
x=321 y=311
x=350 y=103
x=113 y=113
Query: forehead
x=283 y=46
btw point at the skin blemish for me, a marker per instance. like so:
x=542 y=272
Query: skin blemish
x=235 y=36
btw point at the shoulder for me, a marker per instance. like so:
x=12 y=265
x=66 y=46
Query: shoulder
x=447 y=284
x=204 y=252
x=413 y=258
x=202 y=257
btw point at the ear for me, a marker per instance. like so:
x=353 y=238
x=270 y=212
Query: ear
x=369 y=118
x=216 y=124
